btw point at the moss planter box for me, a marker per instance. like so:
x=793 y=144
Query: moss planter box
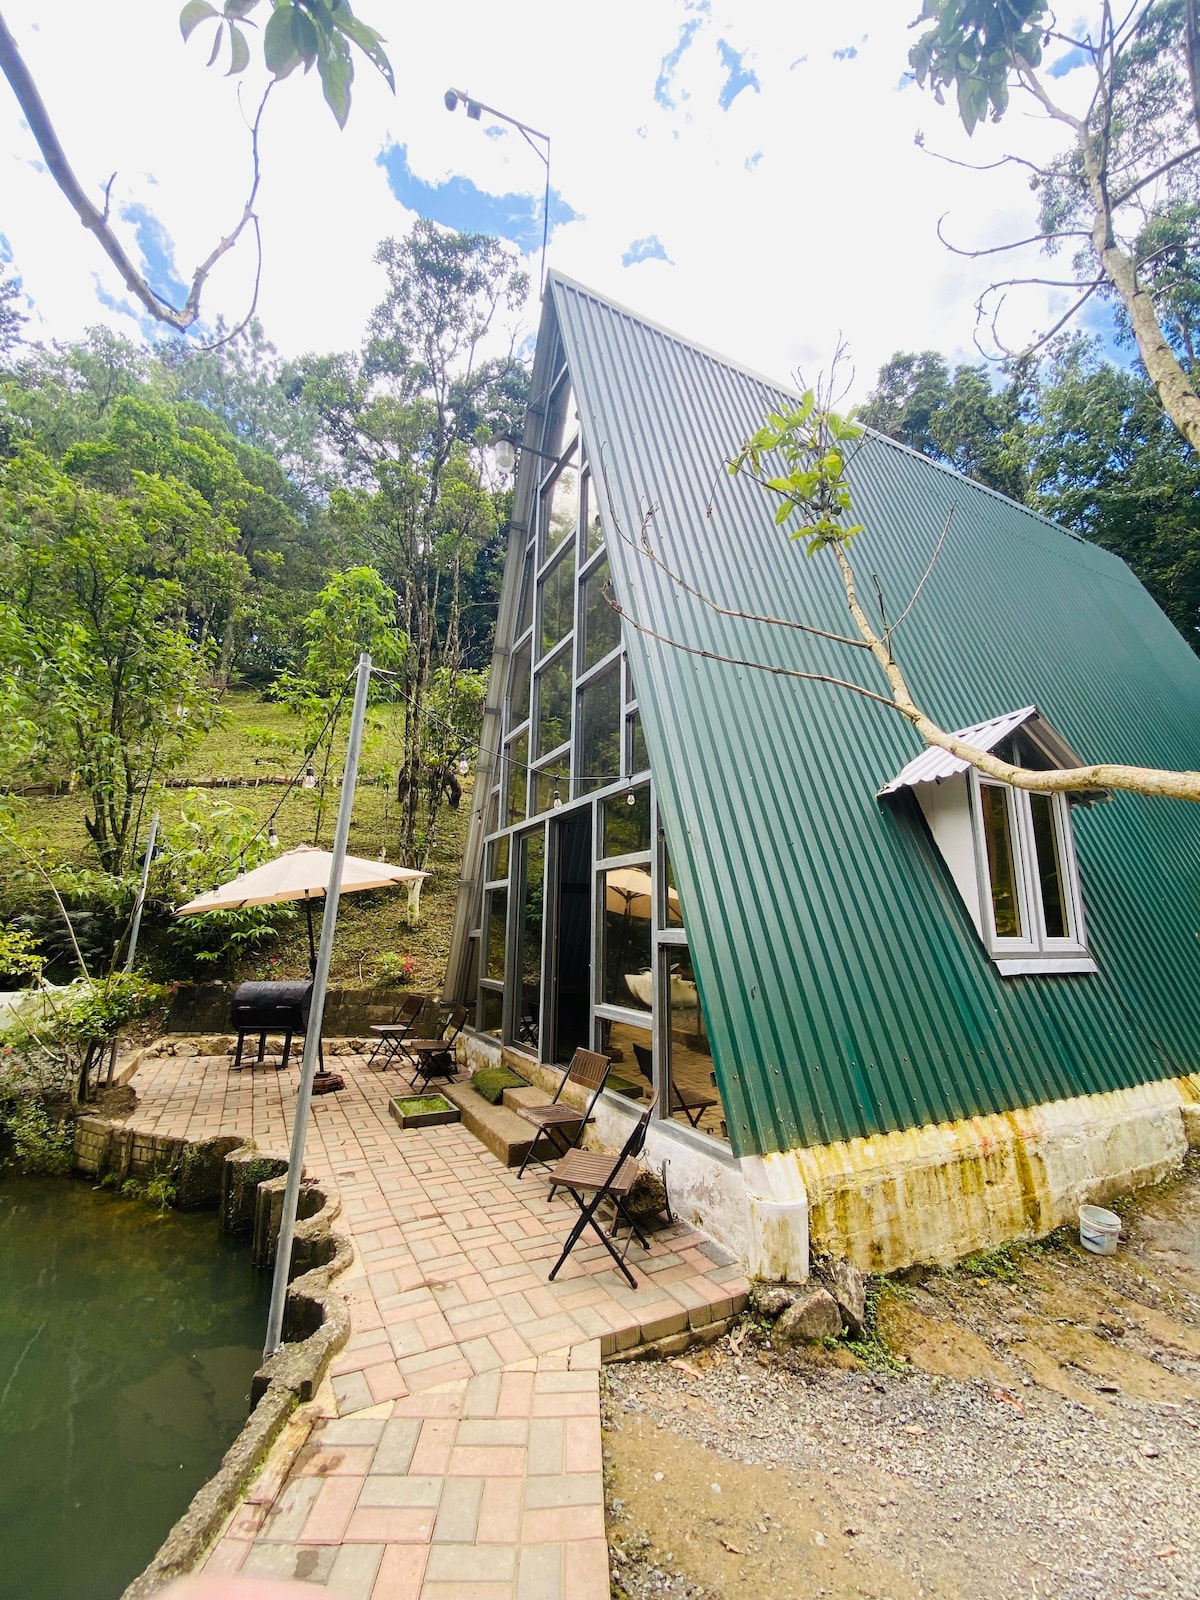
x=422 y=1110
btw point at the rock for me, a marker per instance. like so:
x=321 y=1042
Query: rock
x=850 y=1292
x=772 y=1299
x=812 y=1315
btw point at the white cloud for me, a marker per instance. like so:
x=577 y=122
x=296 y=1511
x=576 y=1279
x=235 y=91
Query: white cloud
x=797 y=213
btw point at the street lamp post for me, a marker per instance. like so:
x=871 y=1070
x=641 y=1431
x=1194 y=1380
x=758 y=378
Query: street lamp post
x=475 y=108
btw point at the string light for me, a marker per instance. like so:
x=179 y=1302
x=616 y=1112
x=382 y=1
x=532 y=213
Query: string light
x=272 y=838
x=557 y=801
x=309 y=780
x=464 y=766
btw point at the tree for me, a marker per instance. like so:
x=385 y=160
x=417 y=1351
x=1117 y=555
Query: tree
x=101 y=655
x=960 y=421
x=11 y=319
x=408 y=418
x=298 y=33
x=1122 y=196
x=1103 y=460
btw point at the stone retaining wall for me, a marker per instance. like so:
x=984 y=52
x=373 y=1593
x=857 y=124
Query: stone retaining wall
x=204 y=1008
x=246 y=1186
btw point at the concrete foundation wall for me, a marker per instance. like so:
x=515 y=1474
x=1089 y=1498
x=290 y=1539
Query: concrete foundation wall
x=932 y=1194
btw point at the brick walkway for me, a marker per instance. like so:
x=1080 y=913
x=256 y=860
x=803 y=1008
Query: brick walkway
x=455 y=1452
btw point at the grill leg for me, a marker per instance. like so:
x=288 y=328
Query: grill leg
x=262 y=1048
x=287 y=1050
x=237 y=1060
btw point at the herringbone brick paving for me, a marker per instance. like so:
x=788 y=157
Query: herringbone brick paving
x=456 y=1454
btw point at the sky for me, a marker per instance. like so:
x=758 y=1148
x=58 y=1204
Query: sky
x=745 y=174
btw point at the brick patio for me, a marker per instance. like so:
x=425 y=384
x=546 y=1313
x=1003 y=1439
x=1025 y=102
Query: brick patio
x=454 y=1451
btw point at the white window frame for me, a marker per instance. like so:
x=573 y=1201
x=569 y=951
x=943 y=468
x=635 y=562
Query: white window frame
x=1036 y=952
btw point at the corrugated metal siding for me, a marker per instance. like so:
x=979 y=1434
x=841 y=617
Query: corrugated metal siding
x=845 y=989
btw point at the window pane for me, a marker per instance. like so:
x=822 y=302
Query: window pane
x=560 y=503
x=518 y=776
x=591 y=510
x=554 y=704
x=628 y=980
x=518 y=694
x=471 y=987
x=997 y=833
x=547 y=783
x=491 y=1011
x=639 y=756
x=692 y=1093
x=600 y=731
x=674 y=913
x=525 y=609
x=493 y=812
x=630 y=1051
x=496 y=912
x=562 y=420
x=530 y=878
x=497 y=864
x=601 y=624
x=558 y=602
x=1045 y=834
x=627 y=827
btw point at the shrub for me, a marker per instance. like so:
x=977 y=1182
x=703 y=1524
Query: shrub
x=390 y=968
x=40 y=1143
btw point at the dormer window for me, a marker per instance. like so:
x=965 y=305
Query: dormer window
x=1011 y=852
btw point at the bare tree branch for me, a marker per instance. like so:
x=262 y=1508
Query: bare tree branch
x=96 y=220
x=645 y=549
x=999 y=249
x=916 y=594
x=757 y=666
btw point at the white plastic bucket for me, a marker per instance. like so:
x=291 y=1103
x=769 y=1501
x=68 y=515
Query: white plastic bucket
x=1099 y=1230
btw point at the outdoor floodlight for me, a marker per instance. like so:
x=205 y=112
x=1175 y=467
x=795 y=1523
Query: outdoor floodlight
x=506 y=455
x=451 y=99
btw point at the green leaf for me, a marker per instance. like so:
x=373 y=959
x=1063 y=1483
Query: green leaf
x=193 y=14
x=239 y=52
x=216 y=49
x=783 y=512
x=279 y=46
x=337 y=74
x=304 y=36
x=367 y=40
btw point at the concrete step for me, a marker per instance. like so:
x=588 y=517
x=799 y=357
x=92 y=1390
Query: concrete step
x=531 y=1095
x=499 y=1128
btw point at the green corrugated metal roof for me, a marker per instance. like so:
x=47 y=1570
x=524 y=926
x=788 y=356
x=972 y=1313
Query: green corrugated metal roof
x=845 y=987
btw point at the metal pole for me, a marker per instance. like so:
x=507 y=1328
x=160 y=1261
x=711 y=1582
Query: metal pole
x=312 y=1036
x=135 y=928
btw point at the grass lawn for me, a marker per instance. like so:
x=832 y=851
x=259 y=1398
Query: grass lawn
x=258 y=738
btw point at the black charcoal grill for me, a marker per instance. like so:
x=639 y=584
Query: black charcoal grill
x=263 y=1008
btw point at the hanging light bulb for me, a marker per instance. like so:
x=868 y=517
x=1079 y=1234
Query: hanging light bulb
x=309 y=780
x=272 y=838
x=631 y=798
x=557 y=801
x=464 y=766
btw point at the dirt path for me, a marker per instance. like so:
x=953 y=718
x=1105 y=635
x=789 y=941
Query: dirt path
x=1026 y=1425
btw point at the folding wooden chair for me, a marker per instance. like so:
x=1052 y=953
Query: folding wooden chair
x=392 y=1035
x=562 y=1124
x=435 y=1058
x=603 y=1177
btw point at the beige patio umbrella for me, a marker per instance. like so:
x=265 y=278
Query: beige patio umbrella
x=301 y=873
x=628 y=890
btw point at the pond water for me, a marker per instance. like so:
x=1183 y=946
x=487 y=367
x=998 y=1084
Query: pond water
x=127 y=1345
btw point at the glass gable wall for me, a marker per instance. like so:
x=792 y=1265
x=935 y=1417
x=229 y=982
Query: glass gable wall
x=579 y=924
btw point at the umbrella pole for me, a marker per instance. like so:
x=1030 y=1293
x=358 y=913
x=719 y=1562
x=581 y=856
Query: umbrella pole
x=312 y=948
x=312 y=1037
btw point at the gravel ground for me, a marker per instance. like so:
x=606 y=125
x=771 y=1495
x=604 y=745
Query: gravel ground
x=1053 y=1450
